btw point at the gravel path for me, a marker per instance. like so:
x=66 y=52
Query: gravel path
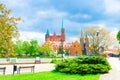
x=113 y=74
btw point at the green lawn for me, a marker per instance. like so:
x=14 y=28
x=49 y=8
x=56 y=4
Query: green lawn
x=52 y=75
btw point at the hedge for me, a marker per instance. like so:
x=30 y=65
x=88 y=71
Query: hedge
x=84 y=65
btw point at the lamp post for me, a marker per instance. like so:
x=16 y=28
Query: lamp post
x=97 y=41
x=62 y=49
x=118 y=52
x=76 y=53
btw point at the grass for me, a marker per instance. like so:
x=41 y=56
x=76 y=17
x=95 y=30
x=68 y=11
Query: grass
x=51 y=75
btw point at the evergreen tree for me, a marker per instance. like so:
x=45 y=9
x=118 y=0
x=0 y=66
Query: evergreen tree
x=60 y=50
x=67 y=52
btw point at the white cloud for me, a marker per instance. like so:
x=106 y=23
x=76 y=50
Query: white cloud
x=50 y=13
x=27 y=23
x=15 y=3
x=83 y=16
x=112 y=6
x=25 y=35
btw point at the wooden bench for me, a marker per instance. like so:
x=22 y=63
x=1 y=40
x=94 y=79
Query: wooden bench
x=25 y=67
x=3 y=70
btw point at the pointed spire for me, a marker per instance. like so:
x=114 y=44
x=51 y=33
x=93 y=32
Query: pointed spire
x=62 y=23
x=86 y=35
x=81 y=33
x=47 y=32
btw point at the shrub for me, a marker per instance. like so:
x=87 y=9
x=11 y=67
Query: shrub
x=84 y=65
x=56 y=61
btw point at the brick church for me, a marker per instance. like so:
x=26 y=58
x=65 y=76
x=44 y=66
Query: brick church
x=55 y=37
x=55 y=41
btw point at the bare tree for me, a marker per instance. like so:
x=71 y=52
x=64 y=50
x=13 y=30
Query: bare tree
x=99 y=38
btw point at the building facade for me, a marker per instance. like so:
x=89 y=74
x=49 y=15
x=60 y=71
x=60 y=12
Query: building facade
x=56 y=41
x=55 y=37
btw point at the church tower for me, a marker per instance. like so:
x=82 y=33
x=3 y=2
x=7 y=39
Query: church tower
x=46 y=35
x=87 y=40
x=62 y=31
x=82 y=38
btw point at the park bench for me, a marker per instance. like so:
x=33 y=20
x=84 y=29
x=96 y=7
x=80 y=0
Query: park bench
x=3 y=70
x=25 y=67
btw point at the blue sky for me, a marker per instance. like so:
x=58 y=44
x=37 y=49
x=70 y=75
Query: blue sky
x=40 y=15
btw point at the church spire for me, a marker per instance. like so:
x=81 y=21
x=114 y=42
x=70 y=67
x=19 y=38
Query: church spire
x=62 y=31
x=62 y=23
x=86 y=35
x=81 y=33
x=47 y=33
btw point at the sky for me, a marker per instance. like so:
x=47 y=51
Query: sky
x=40 y=15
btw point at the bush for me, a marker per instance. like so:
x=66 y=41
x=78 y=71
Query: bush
x=84 y=65
x=56 y=61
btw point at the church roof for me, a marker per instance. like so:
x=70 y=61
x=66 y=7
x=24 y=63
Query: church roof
x=57 y=36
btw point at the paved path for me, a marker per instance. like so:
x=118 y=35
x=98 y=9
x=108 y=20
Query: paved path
x=38 y=68
x=113 y=74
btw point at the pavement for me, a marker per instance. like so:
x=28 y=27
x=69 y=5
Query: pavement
x=38 y=68
x=113 y=74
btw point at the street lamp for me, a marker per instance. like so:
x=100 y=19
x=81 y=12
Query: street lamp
x=76 y=52
x=97 y=40
x=62 y=49
x=118 y=52
x=97 y=33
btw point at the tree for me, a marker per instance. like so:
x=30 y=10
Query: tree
x=18 y=47
x=118 y=36
x=67 y=52
x=26 y=47
x=8 y=30
x=45 y=50
x=33 y=47
x=60 y=50
x=98 y=37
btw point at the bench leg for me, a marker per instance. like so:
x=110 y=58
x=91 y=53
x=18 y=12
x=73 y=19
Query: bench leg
x=18 y=71
x=33 y=68
x=4 y=71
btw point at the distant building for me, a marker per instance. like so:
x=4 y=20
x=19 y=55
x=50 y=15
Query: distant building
x=75 y=48
x=56 y=41
x=55 y=37
x=84 y=41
